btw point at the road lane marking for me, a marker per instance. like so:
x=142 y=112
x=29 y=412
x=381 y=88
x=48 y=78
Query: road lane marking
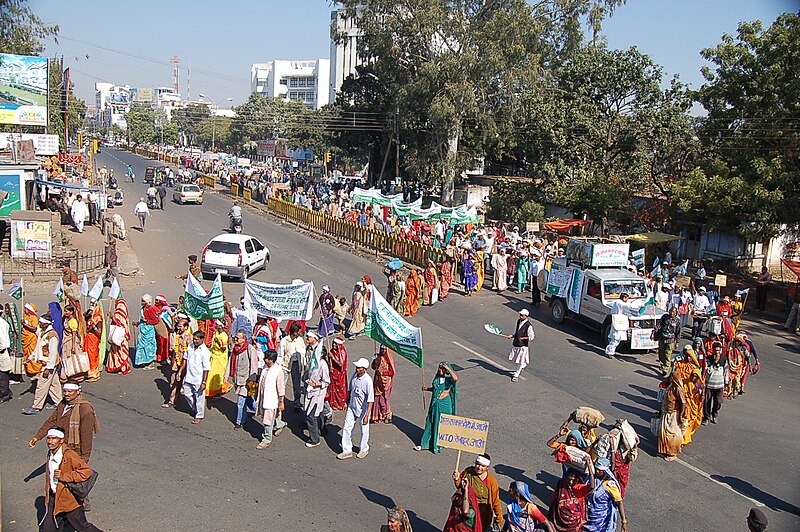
x=212 y=212
x=487 y=359
x=315 y=267
x=726 y=486
x=790 y=362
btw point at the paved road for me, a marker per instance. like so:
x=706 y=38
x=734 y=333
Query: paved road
x=160 y=472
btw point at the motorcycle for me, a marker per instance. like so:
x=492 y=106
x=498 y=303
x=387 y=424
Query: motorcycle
x=236 y=224
x=112 y=182
x=152 y=202
x=119 y=197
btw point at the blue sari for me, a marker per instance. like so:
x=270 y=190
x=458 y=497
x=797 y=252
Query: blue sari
x=601 y=505
x=470 y=277
x=437 y=407
x=145 y=344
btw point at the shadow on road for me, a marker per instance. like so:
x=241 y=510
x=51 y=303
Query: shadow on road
x=586 y=346
x=638 y=399
x=35 y=473
x=744 y=487
x=644 y=391
x=40 y=508
x=641 y=413
x=488 y=367
x=412 y=431
x=417 y=523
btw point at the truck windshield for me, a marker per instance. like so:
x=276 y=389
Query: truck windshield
x=612 y=289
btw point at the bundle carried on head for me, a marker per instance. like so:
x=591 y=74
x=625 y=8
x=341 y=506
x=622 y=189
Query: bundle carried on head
x=586 y=415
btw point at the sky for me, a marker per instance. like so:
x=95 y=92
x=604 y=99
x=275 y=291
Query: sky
x=132 y=42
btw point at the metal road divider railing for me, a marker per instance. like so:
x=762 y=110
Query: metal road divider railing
x=406 y=250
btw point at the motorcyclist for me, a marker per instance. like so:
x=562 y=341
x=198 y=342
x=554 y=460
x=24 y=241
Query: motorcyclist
x=235 y=214
x=152 y=194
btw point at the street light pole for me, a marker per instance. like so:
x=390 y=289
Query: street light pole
x=213 y=121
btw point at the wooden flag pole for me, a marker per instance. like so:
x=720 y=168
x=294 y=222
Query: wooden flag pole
x=422 y=379
x=458 y=460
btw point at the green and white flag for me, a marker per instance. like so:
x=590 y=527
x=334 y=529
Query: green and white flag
x=59 y=291
x=16 y=290
x=387 y=327
x=202 y=305
x=115 y=289
x=96 y=293
x=281 y=301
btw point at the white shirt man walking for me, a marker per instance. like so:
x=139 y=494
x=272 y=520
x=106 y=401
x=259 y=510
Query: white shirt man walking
x=79 y=212
x=142 y=212
x=271 y=389
x=362 y=396
x=198 y=364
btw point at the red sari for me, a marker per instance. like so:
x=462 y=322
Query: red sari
x=383 y=383
x=446 y=276
x=568 y=507
x=454 y=521
x=337 y=390
x=431 y=280
x=119 y=361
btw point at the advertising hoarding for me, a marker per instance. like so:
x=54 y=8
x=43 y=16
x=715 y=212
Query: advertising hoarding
x=23 y=90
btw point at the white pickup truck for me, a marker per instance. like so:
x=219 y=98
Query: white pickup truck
x=586 y=294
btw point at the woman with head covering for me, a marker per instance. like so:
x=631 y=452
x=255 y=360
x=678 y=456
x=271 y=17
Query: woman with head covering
x=523 y=515
x=396 y=521
x=71 y=341
x=673 y=418
x=604 y=504
x=738 y=365
x=468 y=266
x=162 y=332
x=444 y=397
x=699 y=348
x=337 y=390
x=413 y=292
x=358 y=310
x=463 y=516
x=146 y=343
x=688 y=367
x=446 y=275
x=30 y=328
x=523 y=271
x=479 y=256
x=568 y=506
x=384 y=367
x=94 y=341
x=118 y=359
x=217 y=384
x=431 y=282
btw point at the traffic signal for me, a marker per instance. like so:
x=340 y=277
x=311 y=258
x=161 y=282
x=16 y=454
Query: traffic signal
x=327 y=157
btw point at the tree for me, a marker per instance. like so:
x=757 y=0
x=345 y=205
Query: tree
x=189 y=120
x=21 y=31
x=140 y=120
x=750 y=181
x=452 y=67
x=513 y=202
x=603 y=132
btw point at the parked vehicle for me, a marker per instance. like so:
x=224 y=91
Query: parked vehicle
x=187 y=194
x=233 y=255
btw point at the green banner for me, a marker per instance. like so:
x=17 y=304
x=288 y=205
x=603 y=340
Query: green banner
x=201 y=305
x=387 y=327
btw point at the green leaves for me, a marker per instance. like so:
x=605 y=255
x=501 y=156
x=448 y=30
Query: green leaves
x=21 y=31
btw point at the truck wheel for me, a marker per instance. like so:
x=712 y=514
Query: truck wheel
x=605 y=330
x=559 y=311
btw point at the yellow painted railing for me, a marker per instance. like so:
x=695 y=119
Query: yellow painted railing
x=392 y=245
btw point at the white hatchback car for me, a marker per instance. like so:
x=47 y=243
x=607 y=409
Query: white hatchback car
x=188 y=194
x=233 y=255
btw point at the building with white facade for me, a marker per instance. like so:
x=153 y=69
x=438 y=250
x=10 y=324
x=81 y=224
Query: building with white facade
x=344 y=50
x=112 y=102
x=306 y=81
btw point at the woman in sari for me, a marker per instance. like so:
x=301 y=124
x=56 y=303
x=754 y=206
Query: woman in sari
x=673 y=419
x=446 y=273
x=431 y=281
x=604 y=504
x=463 y=515
x=93 y=342
x=444 y=397
x=480 y=269
x=337 y=389
x=412 y=292
x=146 y=343
x=523 y=515
x=396 y=521
x=738 y=364
x=217 y=384
x=358 y=310
x=383 y=383
x=394 y=293
x=568 y=506
x=523 y=270
x=468 y=270
x=71 y=342
x=118 y=359
x=699 y=348
x=688 y=367
x=162 y=333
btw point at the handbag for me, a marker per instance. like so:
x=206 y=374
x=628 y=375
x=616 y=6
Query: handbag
x=116 y=335
x=81 y=489
x=19 y=365
x=434 y=296
x=76 y=363
x=620 y=322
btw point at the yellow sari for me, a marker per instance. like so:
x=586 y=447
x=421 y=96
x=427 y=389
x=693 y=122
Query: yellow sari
x=689 y=370
x=217 y=384
x=479 y=269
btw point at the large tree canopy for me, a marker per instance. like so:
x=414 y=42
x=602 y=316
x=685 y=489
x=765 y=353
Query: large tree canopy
x=21 y=31
x=751 y=179
x=451 y=68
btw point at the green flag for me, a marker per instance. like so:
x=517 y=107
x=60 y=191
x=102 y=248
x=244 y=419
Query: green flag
x=59 y=291
x=201 y=305
x=16 y=290
x=387 y=327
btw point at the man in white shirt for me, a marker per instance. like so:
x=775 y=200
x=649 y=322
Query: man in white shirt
x=700 y=307
x=198 y=364
x=142 y=212
x=663 y=297
x=271 y=388
x=6 y=364
x=362 y=396
x=79 y=212
x=618 y=333
x=292 y=358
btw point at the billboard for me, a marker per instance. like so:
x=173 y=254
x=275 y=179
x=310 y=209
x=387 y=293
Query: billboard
x=11 y=182
x=23 y=90
x=31 y=239
x=43 y=144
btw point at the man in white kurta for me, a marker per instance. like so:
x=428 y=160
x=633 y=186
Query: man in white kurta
x=270 y=398
x=362 y=396
x=79 y=212
x=500 y=267
x=198 y=364
x=618 y=332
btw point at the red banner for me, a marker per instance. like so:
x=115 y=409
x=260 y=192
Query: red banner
x=64 y=158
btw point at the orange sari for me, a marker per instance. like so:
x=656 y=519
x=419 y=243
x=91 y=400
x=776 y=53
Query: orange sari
x=412 y=293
